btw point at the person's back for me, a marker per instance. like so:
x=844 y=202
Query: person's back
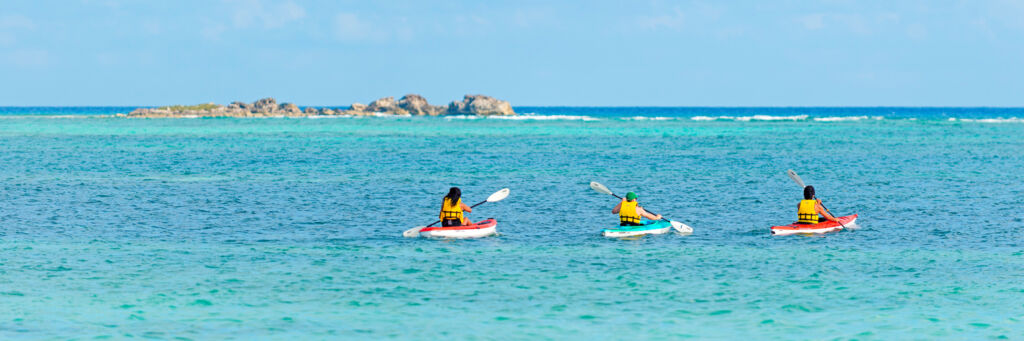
x=628 y=215
x=806 y=212
x=452 y=209
x=630 y=212
x=810 y=208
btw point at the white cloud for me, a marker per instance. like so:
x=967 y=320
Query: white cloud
x=472 y=25
x=730 y=32
x=865 y=75
x=288 y=12
x=354 y=27
x=403 y=31
x=983 y=26
x=28 y=58
x=530 y=17
x=254 y=13
x=917 y=31
x=348 y=26
x=107 y=58
x=1008 y=13
x=7 y=39
x=152 y=27
x=16 y=22
x=693 y=15
x=10 y=24
x=813 y=21
x=672 y=21
x=856 y=23
x=246 y=14
x=887 y=17
x=112 y=4
x=212 y=31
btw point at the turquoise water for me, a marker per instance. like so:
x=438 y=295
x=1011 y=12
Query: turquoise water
x=278 y=228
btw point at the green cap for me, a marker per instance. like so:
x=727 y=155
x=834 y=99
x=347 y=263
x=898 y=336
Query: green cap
x=630 y=196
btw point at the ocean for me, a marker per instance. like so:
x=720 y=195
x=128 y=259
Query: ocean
x=278 y=228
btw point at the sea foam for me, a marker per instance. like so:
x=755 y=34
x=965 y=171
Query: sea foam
x=847 y=118
x=526 y=117
x=750 y=118
x=649 y=118
x=988 y=120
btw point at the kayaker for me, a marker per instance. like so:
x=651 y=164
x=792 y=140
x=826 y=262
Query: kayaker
x=453 y=210
x=630 y=212
x=809 y=209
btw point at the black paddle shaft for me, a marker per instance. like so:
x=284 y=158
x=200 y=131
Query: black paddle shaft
x=477 y=204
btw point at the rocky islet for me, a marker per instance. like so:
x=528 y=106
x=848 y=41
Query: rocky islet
x=411 y=104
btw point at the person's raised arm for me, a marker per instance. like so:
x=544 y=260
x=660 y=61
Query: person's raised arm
x=466 y=208
x=648 y=215
x=824 y=213
x=618 y=207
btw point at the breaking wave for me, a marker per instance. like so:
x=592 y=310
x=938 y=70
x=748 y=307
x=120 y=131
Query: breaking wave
x=526 y=117
x=750 y=118
x=848 y=118
x=988 y=120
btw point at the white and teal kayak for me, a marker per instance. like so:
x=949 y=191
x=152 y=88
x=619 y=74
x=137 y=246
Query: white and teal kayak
x=647 y=227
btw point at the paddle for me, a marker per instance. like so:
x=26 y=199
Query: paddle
x=796 y=178
x=497 y=196
x=675 y=225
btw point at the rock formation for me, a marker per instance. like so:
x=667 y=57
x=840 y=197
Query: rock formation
x=480 y=105
x=386 y=104
x=411 y=104
x=417 y=105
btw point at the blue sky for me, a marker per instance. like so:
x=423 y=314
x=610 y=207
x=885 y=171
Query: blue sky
x=602 y=53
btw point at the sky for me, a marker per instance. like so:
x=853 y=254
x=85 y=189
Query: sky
x=547 y=53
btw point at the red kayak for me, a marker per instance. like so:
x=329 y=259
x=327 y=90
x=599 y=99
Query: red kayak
x=483 y=228
x=823 y=227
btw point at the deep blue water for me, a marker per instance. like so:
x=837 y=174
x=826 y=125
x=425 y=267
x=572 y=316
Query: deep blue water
x=282 y=227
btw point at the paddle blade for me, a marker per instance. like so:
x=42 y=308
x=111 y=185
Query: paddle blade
x=413 y=232
x=681 y=228
x=498 y=196
x=796 y=178
x=600 y=188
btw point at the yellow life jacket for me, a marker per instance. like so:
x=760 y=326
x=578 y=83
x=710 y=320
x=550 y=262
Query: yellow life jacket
x=451 y=211
x=807 y=214
x=627 y=213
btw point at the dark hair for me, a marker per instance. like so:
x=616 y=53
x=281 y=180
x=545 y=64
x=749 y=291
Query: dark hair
x=808 y=192
x=453 y=195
